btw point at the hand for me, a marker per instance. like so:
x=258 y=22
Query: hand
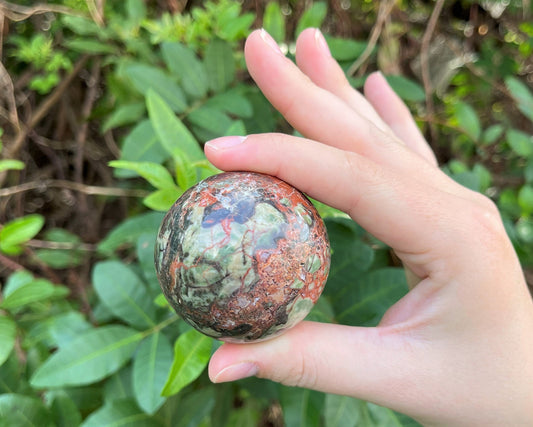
x=458 y=348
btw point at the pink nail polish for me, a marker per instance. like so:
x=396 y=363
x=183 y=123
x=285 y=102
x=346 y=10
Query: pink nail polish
x=267 y=38
x=225 y=142
x=236 y=372
x=321 y=42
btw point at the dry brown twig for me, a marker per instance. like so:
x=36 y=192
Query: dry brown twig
x=91 y=190
x=424 y=59
x=385 y=9
x=16 y=12
x=13 y=147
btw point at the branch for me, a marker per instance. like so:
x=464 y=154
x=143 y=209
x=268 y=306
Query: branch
x=11 y=150
x=74 y=186
x=424 y=59
x=16 y=12
x=385 y=10
x=45 y=244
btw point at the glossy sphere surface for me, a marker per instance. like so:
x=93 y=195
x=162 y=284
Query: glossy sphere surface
x=242 y=256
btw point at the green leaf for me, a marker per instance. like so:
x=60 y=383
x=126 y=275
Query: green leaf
x=182 y=61
x=9 y=164
x=350 y=256
x=141 y=145
x=145 y=256
x=312 y=17
x=36 y=290
x=274 y=21
x=89 y=358
x=150 y=370
x=235 y=28
x=191 y=354
x=219 y=64
x=231 y=102
x=19 y=231
x=129 y=230
x=492 y=134
x=301 y=407
x=136 y=11
x=124 y=115
x=525 y=199
x=195 y=407
x=23 y=411
x=172 y=133
x=8 y=332
x=63 y=409
x=123 y=293
x=57 y=330
x=119 y=385
x=406 y=89
x=341 y=411
x=345 y=49
x=484 y=176
x=381 y=416
x=236 y=128
x=468 y=120
x=524 y=230
x=16 y=280
x=210 y=119
x=154 y=173
x=120 y=412
x=522 y=95
x=89 y=46
x=145 y=78
x=368 y=298
x=80 y=25
x=521 y=143
x=186 y=174
x=162 y=200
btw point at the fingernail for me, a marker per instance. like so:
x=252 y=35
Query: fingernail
x=267 y=38
x=225 y=142
x=236 y=372
x=321 y=42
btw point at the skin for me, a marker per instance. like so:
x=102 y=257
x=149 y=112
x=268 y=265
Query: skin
x=458 y=348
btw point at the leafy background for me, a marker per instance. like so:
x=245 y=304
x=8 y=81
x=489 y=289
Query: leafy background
x=104 y=108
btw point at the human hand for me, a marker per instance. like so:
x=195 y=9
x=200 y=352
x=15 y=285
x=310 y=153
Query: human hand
x=458 y=348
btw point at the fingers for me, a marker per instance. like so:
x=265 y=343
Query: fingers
x=322 y=116
x=315 y=112
x=393 y=207
x=395 y=113
x=369 y=363
x=362 y=362
x=314 y=59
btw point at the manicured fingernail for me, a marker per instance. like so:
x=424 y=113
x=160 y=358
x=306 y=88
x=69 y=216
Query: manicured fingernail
x=225 y=142
x=236 y=372
x=267 y=38
x=321 y=42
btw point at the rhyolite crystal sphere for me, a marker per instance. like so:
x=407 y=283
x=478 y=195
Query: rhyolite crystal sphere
x=242 y=256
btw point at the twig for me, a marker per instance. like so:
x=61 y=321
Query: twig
x=7 y=88
x=75 y=186
x=11 y=150
x=385 y=10
x=10 y=264
x=424 y=59
x=96 y=12
x=45 y=244
x=16 y=12
x=81 y=136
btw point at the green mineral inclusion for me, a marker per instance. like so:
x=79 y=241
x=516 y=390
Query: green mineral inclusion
x=235 y=250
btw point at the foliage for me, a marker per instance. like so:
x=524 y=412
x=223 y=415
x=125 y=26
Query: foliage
x=105 y=348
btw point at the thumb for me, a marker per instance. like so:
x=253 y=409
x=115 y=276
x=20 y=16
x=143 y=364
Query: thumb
x=369 y=363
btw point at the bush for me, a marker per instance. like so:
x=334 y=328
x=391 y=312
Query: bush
x=86 y=337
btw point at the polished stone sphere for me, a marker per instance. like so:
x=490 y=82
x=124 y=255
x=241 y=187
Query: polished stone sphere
x=242 y=256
